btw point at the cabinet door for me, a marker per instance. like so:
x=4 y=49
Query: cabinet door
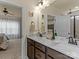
x=30 y=51
x=39 y=54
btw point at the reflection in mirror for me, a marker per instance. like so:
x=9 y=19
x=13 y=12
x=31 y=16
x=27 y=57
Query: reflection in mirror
x=62 y=12
x=75 y=26
x=50 y=26
x=42 y=27
x=32 y=27
x=62 y=24
x=42 y=24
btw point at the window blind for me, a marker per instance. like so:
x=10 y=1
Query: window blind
x=10 y=26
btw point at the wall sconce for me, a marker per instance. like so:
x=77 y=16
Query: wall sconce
x=30 y=14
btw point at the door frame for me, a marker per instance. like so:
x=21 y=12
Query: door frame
x=23 y=43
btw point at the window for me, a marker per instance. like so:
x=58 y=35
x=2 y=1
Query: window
x=10 y=27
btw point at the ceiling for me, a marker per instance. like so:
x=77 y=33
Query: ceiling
x=58 y=6
x=63 y=6
x=65 y=3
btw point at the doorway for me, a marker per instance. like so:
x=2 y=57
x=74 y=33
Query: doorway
x=10 y=31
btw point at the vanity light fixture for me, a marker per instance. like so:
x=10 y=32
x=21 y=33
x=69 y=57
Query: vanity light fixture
x=42 y=4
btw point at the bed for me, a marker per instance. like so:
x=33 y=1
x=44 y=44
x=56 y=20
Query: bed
x=3 y=41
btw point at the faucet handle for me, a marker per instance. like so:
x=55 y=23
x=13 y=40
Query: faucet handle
x=76 y=42
x=70 y=39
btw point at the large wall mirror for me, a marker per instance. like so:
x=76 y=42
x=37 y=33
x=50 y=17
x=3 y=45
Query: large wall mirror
x=64 y=21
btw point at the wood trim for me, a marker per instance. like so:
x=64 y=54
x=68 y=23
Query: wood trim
x=60 y=53
x=51 y=57
x=34 y=49
x=30 y=43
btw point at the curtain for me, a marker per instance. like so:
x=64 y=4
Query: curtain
x=11 y=26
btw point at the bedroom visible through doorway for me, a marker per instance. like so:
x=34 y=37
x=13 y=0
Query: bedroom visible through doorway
x=10 y=31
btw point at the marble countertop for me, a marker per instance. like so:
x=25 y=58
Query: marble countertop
x=60 y=44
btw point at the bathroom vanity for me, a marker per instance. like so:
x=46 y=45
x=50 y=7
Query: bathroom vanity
x=42 y=48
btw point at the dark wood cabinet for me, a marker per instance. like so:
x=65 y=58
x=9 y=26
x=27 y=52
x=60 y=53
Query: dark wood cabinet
x=30 y=50
x=39 y=51
x=36 y=50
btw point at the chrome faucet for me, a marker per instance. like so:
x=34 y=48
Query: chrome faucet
x=72 y=41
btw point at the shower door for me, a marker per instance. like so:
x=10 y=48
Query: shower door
x=77 y=26
x=74 y=24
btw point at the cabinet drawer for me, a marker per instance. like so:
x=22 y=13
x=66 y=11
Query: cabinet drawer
x=30 y=41
x=56 y=55
x=40 y=46
x=39 y=54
